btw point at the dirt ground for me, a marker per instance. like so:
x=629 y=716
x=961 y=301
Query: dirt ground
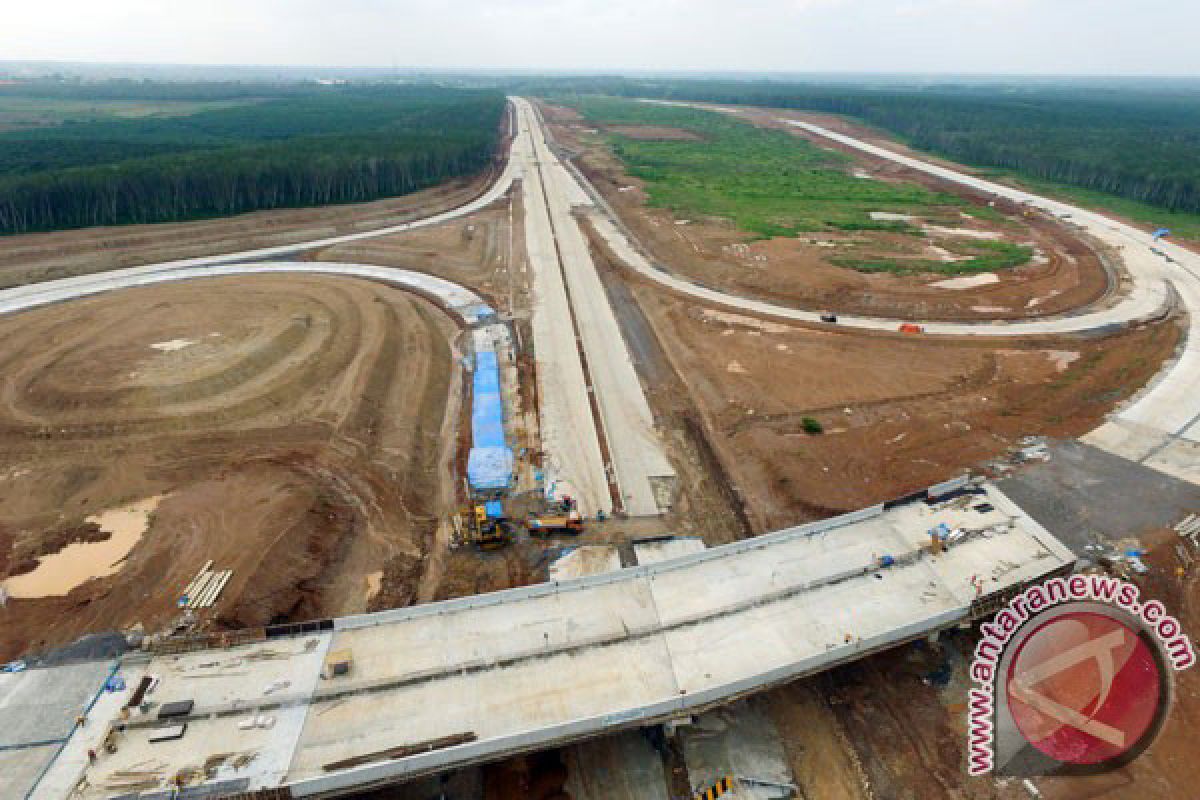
x=1066 y=271
x=307 y=446
x=473 y=251
x=898 y=412
x=293 y=427
x=35 y=257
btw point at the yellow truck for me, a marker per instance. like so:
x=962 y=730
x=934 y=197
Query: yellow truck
x=570 y=523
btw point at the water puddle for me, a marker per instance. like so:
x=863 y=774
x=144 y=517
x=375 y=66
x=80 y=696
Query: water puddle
x=77 y=563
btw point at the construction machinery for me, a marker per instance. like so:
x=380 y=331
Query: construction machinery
x=570 y=523
x=486 y=525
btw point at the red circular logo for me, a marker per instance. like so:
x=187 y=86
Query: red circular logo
x=1084 y=688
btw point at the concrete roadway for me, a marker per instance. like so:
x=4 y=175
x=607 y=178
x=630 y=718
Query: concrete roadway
x=456 y=299
x=567 y=293
x=572 y=461
x=637 y=456
x=538 y=666
x=529 y=667
x=1160 y=427
x=1147 y=297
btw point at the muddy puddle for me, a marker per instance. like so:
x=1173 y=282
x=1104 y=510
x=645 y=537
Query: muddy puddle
x=77 y=563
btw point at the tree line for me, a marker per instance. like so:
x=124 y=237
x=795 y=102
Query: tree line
x=321 y=147
x=1136 y=142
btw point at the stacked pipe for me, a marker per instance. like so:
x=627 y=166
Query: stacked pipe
x=1189 y=528
x=205 y=588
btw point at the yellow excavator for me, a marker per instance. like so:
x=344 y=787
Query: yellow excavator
x=486 y=526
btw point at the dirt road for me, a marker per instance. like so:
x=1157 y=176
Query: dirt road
x=47 y=256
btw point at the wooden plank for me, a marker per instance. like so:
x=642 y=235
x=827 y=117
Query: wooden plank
x=404 y=751
x=168 y=734
x=218 y=586
x=213 y=590
x=201 y=588
x=193 y=599
x=208 y=587
x=192 y=586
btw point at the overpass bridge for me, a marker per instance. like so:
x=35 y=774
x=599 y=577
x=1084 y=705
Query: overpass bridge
x=439 y=686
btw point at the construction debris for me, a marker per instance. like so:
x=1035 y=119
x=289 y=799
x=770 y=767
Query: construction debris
x=205 y=588
x=167 y=734
x=404 y=751
x=338 y=664
x=1189 y=529
x=261 y=721
x=1118 y=559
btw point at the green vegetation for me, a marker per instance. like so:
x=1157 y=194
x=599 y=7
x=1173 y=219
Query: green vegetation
x=771 y=183
x=261 y=147
x=767 y=182
x=1138 y=143
x=812 y=426
x=20 y=112
x=986 y=256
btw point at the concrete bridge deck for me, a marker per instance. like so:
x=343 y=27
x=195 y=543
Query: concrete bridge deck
x=542 y=665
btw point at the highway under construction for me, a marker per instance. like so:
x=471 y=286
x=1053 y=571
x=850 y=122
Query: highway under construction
x=341 y=705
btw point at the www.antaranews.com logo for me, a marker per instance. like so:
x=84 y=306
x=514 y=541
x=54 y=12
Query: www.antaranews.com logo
x=1073 y=676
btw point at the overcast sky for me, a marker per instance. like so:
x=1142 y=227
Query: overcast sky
x=1134 y=37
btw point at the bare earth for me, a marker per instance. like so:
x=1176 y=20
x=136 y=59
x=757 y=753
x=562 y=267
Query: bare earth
x=291 y=424
x=899 y=412
x=35 y=257
x=308 y=444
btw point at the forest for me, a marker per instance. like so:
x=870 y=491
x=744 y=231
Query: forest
x=282 y=146
x=1137 y=142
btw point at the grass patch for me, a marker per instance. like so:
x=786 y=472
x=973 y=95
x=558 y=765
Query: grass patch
x=768 y=183
x=989 y=214
x=986 y=256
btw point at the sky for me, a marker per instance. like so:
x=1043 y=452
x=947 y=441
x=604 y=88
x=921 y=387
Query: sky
x=1078 y=37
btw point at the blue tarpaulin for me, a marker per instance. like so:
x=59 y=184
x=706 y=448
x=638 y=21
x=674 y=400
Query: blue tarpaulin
x=487 y=411
x=489 y=466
